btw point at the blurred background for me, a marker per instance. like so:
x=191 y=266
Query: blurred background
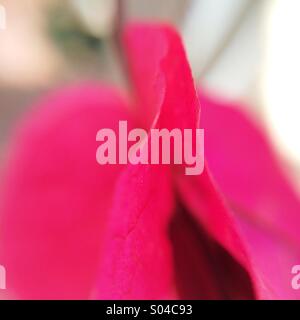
x=245 y=50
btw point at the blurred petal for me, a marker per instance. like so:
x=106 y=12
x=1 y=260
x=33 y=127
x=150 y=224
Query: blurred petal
x=256 y=188
x=57 y=196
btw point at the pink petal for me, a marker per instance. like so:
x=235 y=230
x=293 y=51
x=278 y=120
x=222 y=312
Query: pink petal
x=266 y=209
x=57 y=196
x=203 y=268
x=208 y=208
x=246 y=168
x=165 y=92
x=154 y=250
x=138 y=259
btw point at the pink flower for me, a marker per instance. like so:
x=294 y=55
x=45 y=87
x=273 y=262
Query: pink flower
x=72 y=229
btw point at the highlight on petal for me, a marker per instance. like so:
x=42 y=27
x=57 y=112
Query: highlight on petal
x=57 y=196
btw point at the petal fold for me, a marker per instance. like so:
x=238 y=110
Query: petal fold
x=162 y=78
